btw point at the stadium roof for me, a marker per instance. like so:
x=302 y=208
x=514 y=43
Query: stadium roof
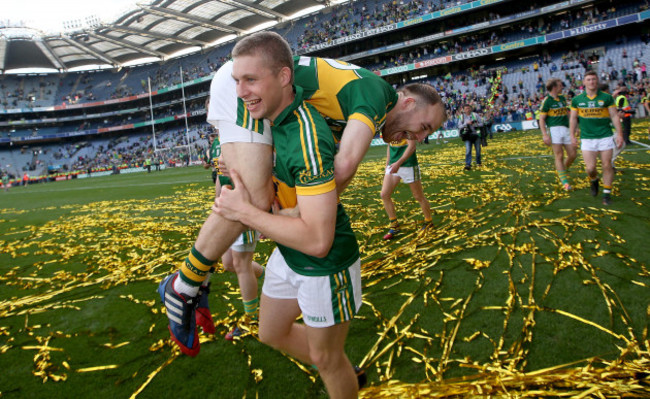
x=159 y=29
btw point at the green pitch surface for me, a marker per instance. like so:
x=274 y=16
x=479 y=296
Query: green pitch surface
x=516 y=279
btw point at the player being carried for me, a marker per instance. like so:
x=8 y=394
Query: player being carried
x=356 y=103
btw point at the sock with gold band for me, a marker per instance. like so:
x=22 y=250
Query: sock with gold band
x=251 y=308
x=193 y=273
x=563 y=175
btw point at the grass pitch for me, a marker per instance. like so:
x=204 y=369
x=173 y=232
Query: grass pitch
x=518 y=288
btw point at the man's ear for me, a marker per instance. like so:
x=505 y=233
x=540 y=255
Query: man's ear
x=285 y=75
x=408 y=103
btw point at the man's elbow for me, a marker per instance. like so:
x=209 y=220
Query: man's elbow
x=321 y=251
x=344 y=169
x=321 y=247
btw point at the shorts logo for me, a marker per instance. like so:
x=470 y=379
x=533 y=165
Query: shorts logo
x=316 y=319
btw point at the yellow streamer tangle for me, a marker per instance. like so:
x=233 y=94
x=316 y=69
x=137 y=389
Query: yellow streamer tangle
x=118 y=243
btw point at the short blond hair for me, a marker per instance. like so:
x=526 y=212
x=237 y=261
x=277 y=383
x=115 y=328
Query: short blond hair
x=271 y=46
x=552 y=83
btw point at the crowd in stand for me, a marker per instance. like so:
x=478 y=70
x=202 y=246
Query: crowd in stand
x=347 y=20
x=518 y=103
x=363 y=16
x=506 y=105
x=529 y=28
x=500 y=103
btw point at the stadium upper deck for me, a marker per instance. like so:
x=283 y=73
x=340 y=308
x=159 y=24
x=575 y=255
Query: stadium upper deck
x=420 y=40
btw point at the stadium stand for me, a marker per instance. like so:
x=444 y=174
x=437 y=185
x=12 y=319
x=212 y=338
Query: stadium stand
x=495 y=56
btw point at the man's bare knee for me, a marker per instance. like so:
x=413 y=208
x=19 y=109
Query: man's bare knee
x=325 y=360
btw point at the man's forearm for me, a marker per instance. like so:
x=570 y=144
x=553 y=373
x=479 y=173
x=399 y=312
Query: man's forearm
x=312 y=233
x=353 y=147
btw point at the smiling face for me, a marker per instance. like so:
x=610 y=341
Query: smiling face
x=410 y=120
x=261 y=88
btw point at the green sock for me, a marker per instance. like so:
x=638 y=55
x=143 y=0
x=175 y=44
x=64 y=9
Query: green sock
x=251 y=308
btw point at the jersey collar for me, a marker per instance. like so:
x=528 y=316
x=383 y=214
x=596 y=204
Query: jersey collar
x=297 y=101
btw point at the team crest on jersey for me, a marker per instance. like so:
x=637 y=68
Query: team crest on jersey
x=601 y=103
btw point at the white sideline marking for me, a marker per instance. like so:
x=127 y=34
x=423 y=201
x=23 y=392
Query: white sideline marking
x=43 y=187
x=641 y=144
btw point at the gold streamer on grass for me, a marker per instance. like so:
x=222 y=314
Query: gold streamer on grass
x=68 y=263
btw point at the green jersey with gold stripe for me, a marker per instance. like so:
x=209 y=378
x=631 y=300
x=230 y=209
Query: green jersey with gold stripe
x=593 y=114
x=342 y=92
x=396 y=150
x=212 y=157
x=556 y=111
x=304 y=165
x=213 y=154
x=339 y=91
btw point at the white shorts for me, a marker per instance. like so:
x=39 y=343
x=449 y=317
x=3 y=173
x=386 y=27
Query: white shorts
x=323 y=300
x=604 y=144
x=408 y=174
x=560 y=135
x=246 y=242
x=222 y=112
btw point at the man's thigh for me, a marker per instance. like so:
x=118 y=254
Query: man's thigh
x=277 y=316
x=606 y=157
x=390 y=182
x=254 y=163
x=589 y=158
x=327 y=339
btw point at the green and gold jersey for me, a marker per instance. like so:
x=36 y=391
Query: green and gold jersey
x=339 y=91
x=342 y=91
x=214 y=153
x=212 y=157
x=304 y=165
x=593 y=114
x=396 y=150
x=556 y=111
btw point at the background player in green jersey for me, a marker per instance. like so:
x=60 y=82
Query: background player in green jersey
x=212 y=154
x=402 y=164
x=593 y=111
x=554 y=124
x=316 y=269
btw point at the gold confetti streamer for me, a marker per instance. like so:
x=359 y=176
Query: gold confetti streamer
x=119 y=243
